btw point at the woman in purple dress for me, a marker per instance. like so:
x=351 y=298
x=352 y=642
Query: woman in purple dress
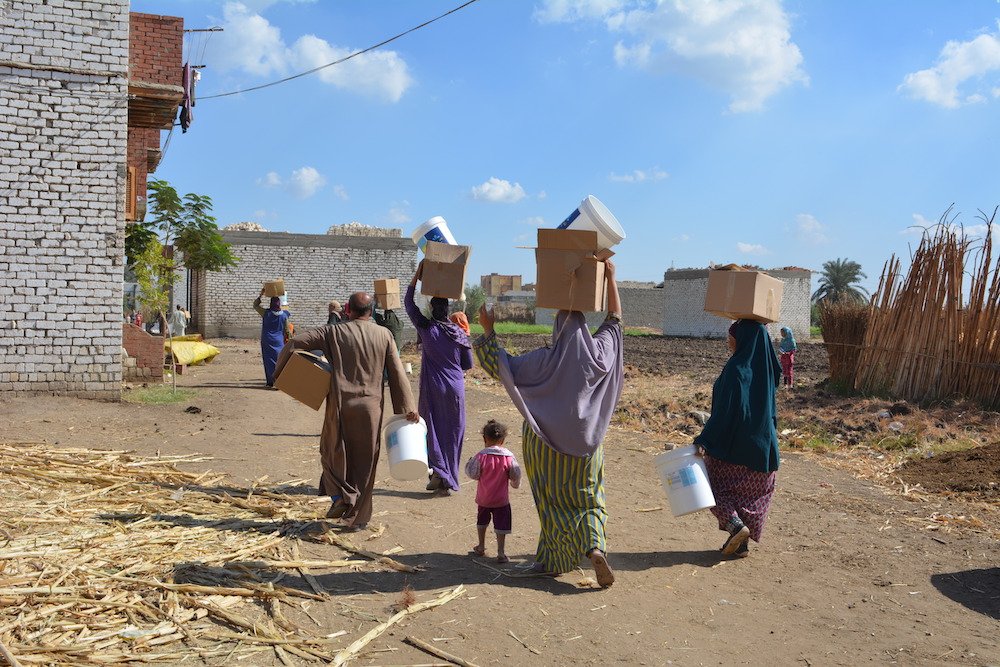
x=445 y=356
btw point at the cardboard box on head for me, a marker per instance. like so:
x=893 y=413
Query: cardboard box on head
x=738 y=294
x=570 y=270
x=274 y=287
x=387 y=293
x=306 y=378
x=444 y=270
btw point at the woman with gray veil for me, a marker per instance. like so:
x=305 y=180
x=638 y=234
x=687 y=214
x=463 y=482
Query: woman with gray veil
x=567 y=394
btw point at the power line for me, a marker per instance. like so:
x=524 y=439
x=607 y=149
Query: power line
x=341 y=60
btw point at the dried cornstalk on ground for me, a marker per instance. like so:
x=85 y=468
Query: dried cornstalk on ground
x=843 y=324
x=932 y=335
x=110 y=558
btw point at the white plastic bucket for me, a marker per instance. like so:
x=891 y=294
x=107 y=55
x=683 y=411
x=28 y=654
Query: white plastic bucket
x=685 y=480
x=435 y=229
x=593 y=215
x=406 y=444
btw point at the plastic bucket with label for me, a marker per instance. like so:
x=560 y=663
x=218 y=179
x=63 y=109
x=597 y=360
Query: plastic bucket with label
x=593 y=215
x=406 y=445
x=685 y=480
x=435 y=229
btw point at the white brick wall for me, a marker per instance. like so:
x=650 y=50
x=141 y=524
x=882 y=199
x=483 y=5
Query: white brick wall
x=62 y=166
x=641 y=307
x=316 y=269
x=684 y=305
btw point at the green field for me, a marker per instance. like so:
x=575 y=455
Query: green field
x=514 y=328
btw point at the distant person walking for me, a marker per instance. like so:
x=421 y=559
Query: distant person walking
x=360 y=352
x=567 y=394
x=445 y=356
x=179 y=321
x=274 y=326
x=788 y=349
x=740 y=439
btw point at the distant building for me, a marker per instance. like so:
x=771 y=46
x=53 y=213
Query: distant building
x=684 y=304
x=496 y=284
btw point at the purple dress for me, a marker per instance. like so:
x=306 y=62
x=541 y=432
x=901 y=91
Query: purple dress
x=446 y=354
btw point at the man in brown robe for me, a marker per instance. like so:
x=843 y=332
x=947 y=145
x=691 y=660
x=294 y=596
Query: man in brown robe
x=358 y=351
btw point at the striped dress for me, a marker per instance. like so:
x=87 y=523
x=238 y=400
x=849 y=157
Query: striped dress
x=568 y=490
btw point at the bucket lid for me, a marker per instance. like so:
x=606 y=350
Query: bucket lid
x=598 y=211
x=674 y=454
x=428 y=224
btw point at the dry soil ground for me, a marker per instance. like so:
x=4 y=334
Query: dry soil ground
x=856 y=566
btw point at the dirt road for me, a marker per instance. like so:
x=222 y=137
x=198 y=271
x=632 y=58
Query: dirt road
x=847 y=573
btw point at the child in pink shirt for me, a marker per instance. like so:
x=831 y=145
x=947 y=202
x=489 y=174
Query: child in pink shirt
x=494 y=466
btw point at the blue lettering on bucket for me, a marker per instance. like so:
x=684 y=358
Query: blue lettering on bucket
x=688 y=478
x=435 y=235
x=392 y=440
x=569 y=221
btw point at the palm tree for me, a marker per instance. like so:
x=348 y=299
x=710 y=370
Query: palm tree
x=839 y=282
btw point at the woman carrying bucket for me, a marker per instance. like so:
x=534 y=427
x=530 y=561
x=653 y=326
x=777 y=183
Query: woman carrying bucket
x=740 y=439
x=567 y=394
x=445 y=355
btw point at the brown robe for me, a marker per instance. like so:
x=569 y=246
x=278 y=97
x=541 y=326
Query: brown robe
x=352 y=431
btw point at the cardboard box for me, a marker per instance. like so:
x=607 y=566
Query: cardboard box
x=751 y=295
x=274 y=287
x=387 y=293
x=444 y=270
x=306 y=378
x=570 y=270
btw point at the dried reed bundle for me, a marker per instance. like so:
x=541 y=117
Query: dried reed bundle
x=843 y=324
x=108 y=557
x=930 y=336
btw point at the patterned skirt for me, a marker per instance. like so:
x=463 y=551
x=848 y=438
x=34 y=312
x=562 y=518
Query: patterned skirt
x=569 y=496
x=741 y=492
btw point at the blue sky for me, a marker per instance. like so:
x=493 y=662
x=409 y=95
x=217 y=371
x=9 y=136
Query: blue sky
x=753 y=131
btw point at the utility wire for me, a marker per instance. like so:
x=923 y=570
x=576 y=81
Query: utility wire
x=341 y=60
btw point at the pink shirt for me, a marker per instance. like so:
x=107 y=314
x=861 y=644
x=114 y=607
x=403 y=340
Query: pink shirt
x=494 y=467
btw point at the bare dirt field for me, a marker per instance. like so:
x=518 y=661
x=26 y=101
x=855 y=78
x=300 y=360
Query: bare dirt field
x=880 y=549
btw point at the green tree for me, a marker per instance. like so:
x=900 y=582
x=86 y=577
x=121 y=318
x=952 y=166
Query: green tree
x=185 y=223
x=475 y=297
x=839 y=282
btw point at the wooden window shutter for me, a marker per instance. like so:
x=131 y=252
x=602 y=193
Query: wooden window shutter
x=130 y=194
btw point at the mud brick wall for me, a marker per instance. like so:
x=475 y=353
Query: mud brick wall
x=147 y=350
x=316 y=269
x=641 y=307
x=684 y=305
x=62 y=177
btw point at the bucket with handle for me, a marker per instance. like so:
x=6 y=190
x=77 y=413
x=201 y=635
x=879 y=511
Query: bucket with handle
x=685 y=480
x=406 y=445
x=593 y=215
x=435 y=229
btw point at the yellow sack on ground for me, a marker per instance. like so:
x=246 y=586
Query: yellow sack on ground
x=190 y=353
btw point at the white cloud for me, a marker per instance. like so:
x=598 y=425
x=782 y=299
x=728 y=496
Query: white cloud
x=978 y=231
x=251 y=44
x=639 y=176
x=554 y=11
x=305 y=182
x=398 y=214
x=919 y=224
x=809 y=229
x=270 y=180
x=751 y=248
x=959 y=65
x=499 y=191
x=535 y=221
x=743 y=47
x=340 y=192
x=682 y=238
x=543 y=194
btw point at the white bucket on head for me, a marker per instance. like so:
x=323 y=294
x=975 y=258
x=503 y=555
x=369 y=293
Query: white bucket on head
x=406 y=445
x=593 y=215
x=435 y=229
x=685 y=480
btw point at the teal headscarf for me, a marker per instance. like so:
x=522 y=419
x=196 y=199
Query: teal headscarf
x=743 y=425
x=787 y=343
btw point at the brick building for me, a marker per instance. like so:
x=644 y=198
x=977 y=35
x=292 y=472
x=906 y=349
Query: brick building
x=316 y=268
x=496 y=284
x=684 y=304
x=155 y=70
x=63 y=91
x=642 y=306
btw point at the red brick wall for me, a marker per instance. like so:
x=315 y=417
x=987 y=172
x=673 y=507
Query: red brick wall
x=139 y=140
x=155 y=48
x=147 y=349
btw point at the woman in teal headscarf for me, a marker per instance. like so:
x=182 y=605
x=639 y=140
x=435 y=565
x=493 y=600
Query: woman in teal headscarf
x=740 y=439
